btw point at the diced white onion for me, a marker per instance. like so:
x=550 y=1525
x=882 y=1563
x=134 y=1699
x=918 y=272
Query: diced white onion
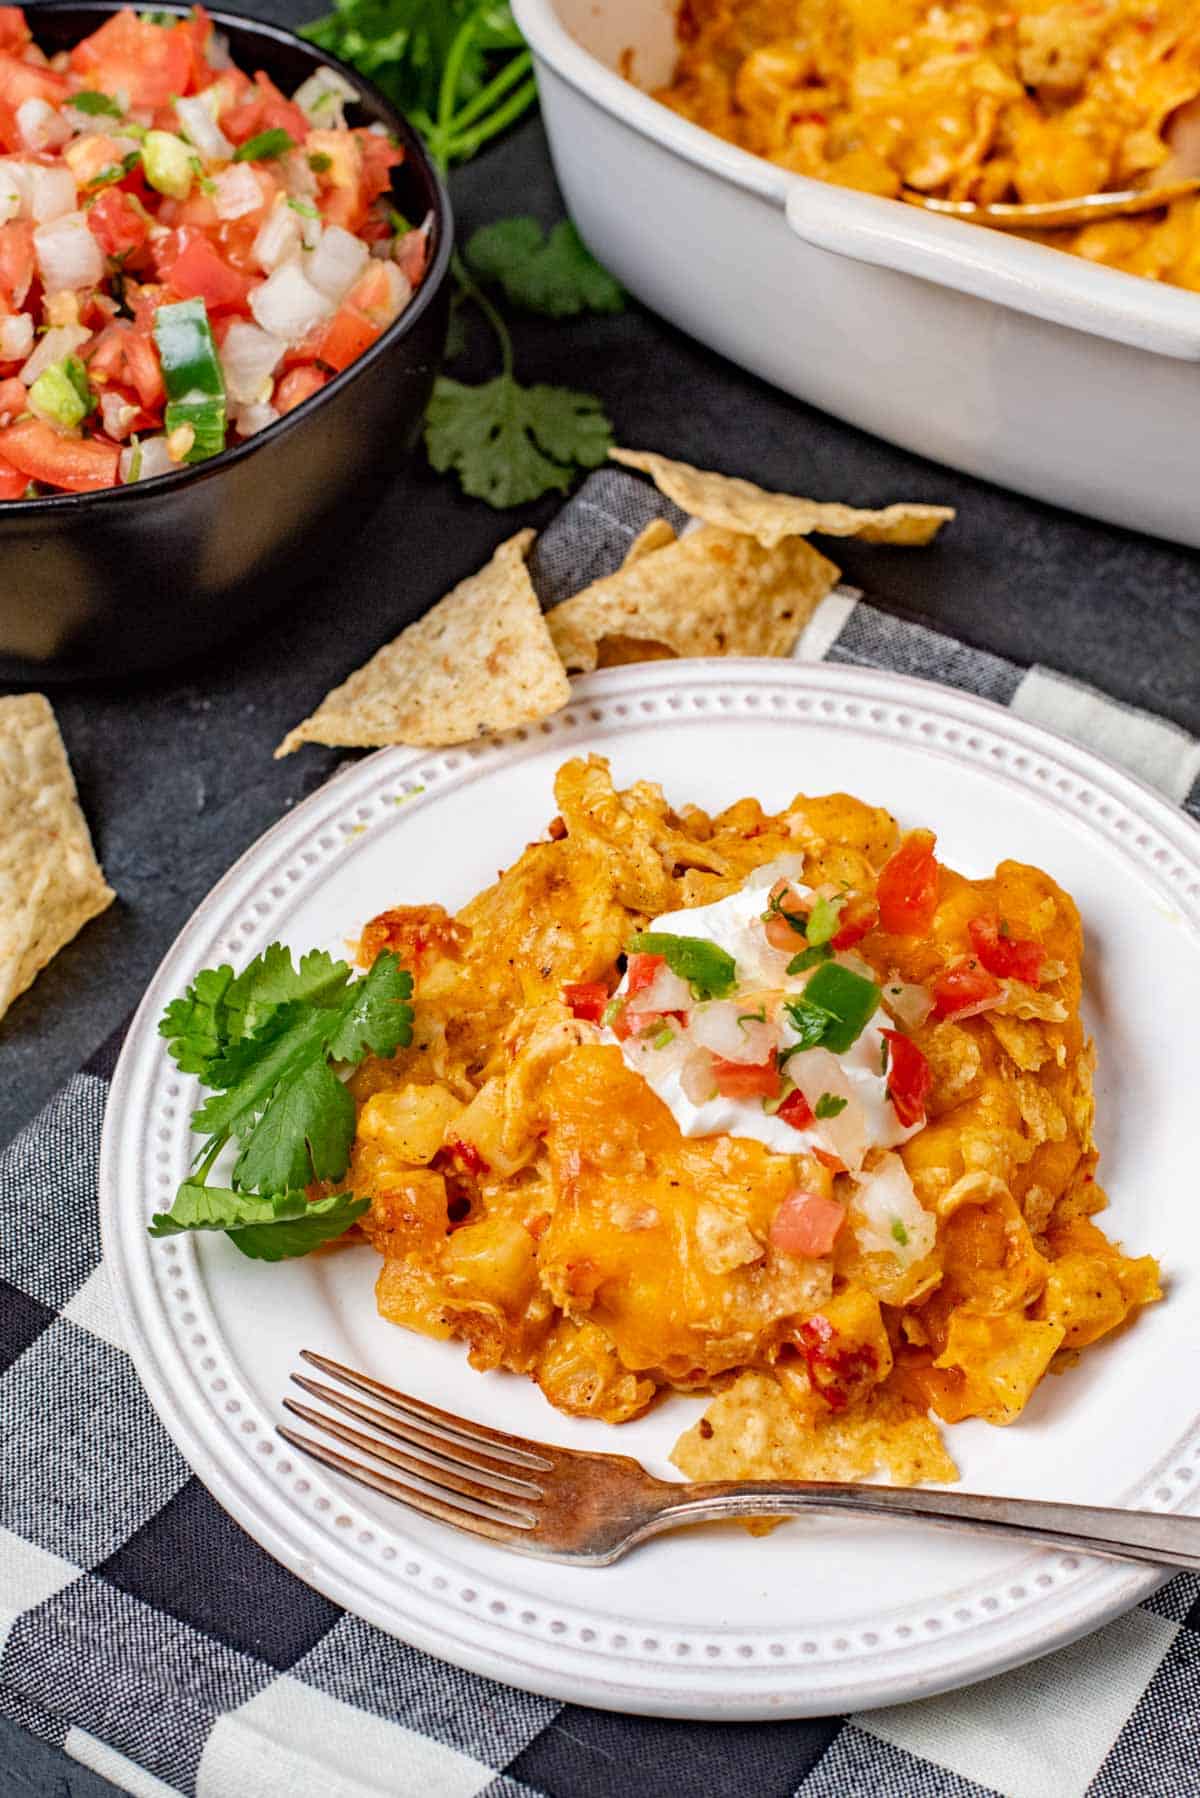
x=817 y=1072
x=279 y=237
x=322 y=96
x=716 y=1026
x=909 y=1004
x=117 y=415
x=216 y=51
x=254 y=418
x=51 y=192
x=16 y=336
x=201 y=129
x=249 y=357
x=288 y=305
x=56 y=345
x=237 y=191
x=884 y=1200
x=298 y=177
x=337 y=262
x=150 y=457
x=14 y=190
x=67 y=254
x=696 y=1079
x=41 y=126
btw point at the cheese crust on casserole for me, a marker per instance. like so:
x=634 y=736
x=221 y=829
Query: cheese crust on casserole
x=984 y=100
x=536 y=1198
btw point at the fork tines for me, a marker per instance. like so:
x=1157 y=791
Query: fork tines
x=458 y=1471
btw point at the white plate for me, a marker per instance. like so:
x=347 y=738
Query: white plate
x=820 y=1616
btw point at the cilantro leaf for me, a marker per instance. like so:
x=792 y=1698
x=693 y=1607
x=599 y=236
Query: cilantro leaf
x=509 y=443
x=94 y=104
x=266 y=1229
x=195 y=1025
x=375 y=1014
x=829 y=1105
x=271 y=980
x=286 y=1238
x=404 y=45
x=810 y=958
x=555 y=274
x=305 y=1133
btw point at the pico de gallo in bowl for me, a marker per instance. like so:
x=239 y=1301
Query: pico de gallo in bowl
x=187 y=252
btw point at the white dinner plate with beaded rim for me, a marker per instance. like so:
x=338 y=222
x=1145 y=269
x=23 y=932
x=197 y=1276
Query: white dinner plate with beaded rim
x=822 y=1615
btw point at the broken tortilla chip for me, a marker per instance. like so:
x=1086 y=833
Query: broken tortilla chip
x=50 y=880
x=709 y=593
x=480 y=661
x=739 y=505
x=655 y=535
x=752 y=1432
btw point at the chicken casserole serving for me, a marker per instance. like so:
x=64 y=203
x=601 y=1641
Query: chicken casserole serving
x=776 y=1108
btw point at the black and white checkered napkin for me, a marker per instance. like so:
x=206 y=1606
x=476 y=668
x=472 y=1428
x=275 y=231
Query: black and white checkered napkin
x=142 y=1631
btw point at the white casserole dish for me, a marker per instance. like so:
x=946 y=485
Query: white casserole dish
x=1011 y=361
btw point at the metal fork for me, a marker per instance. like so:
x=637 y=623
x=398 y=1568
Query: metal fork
x=566 y=1505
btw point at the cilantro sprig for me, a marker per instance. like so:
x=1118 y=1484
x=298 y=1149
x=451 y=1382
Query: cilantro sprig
x=267 y=1042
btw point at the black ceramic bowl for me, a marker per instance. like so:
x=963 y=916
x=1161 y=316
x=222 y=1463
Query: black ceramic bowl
x=105 y=584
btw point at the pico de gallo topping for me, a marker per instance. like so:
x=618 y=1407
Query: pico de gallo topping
x=186 y=253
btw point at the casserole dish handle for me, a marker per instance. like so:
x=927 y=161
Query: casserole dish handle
x=998 y=267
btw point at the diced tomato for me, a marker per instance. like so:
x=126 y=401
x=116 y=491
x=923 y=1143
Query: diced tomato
x=467 y=1156
x=379 y=158
x=628 y=1023
x=586 y=998
x=806 y=1224
x=29 y=81
x=858 y=916
x=199 y=273
x=908 y=886
x=263 y=108
x=1008 y=957
x=198 y=29
x=298 y=385
x=77 y=464
x=145 y=369
x=839 y=1370
x=14 y=32
x=796 y=1111
x=783 y=904
x=148 y=62
x=833 y=1162
x=118 y=226
x=14 y=399
x=17 y=265
x=641 y=971
x=12 y=482
x=745 y=1080
x=908 y=1078
x=344 y=338
x=964 y=990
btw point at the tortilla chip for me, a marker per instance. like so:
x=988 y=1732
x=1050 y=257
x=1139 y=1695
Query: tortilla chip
x=752 y=1431
x=740 y=506
x=50 y=880
x=480 y=661
x=655 y=535
x=710 y=593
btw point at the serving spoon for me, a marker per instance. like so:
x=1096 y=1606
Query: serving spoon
x=1049 y=214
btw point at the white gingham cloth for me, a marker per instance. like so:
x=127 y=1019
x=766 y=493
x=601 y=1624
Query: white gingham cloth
x=141 y=1631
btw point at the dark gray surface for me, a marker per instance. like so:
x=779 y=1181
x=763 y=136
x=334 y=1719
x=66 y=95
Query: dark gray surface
x=176 y=773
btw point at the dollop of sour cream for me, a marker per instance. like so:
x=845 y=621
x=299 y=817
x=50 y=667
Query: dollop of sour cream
x=867 y=1120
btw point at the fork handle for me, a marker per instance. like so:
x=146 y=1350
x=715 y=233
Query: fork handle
x=1163 y=1539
